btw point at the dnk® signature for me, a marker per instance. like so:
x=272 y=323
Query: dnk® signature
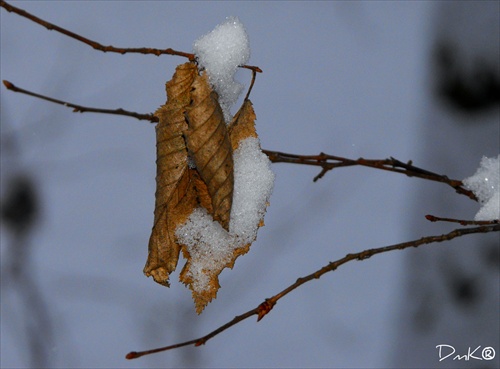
x=447 y=351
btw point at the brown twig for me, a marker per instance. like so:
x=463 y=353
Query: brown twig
x=79 y=108
x=265 y=307
x=253 y=68
x=94 y=44
x=433 y=218
x=329 y=162
x=325 y=161
x=254 y=74
x=100 y=47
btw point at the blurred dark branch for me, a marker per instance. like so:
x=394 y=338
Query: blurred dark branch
x=19 y=213
x=100 y=47
x=471 y=90
x=325 y=161
x=266 y=306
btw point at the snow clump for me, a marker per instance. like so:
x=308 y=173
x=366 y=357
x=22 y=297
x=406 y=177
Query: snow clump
x=220 y=52
x=485 y=184
x=211 y=247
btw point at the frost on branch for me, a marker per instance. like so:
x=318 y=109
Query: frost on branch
x=213 y=181
x=485 y=184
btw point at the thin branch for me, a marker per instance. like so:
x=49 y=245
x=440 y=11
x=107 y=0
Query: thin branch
x=100 y=47
x=254 y=74
x=329 y=162
x=433 y=218
x=253 y=68
x=94 y=44
x=79 y=108
x=265 y=307
x=325 y=161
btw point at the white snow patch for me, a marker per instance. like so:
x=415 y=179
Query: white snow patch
x=220 y=52
x=485 y=184
x=210 y=245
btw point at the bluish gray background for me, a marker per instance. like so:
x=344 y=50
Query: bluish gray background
x=345 y=78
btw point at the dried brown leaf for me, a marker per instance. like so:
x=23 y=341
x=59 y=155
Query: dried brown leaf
x=175 y=196
x=243 y=124
x=201 y=298
x=241 y=127
x=209 y=292
x=210 y=147
x=192 y=129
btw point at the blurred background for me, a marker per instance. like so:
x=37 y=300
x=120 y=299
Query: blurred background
x=414 y=80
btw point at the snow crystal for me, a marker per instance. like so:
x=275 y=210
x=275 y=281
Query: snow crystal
x=485 y=184
x=220 y=52
x=253 y=184
x=210 y=245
